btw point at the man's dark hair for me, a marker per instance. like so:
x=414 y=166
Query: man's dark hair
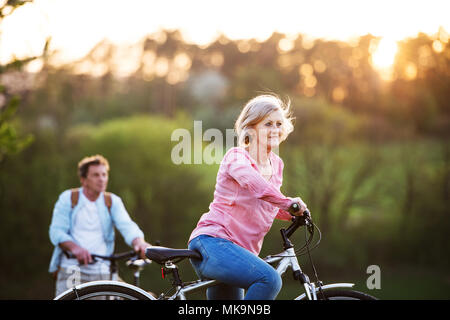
x=86 y=162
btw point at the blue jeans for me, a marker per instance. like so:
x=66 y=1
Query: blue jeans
x=237 y=269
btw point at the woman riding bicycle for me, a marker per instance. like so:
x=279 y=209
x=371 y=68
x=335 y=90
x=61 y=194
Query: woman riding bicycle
x=247 y=199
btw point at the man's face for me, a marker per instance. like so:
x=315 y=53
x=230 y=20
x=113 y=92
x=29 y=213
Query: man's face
x=96 y=179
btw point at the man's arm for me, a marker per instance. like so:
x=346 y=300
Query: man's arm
x=60 y=224
x=59 y=229
x=130 y=231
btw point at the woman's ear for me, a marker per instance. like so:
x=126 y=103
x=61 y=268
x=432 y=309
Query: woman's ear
x=247 y=138
x=249 y=135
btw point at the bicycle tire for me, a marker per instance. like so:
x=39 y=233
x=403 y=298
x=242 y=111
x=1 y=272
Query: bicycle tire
x=339 y=294
x=103 y=291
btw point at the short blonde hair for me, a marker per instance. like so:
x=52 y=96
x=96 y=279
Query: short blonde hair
x=86 y=162
x=256 y=110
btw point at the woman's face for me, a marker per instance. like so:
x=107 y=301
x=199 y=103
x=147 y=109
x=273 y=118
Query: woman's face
x=268 y=131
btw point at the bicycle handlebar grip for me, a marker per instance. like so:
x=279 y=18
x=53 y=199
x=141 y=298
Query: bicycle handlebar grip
x=294 y=208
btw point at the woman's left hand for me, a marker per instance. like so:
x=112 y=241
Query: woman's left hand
x=302 y=205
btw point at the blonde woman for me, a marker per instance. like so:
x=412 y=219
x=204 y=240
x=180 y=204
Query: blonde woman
x=247 y=199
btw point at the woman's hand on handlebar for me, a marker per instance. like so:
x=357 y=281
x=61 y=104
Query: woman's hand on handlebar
x=298 y=207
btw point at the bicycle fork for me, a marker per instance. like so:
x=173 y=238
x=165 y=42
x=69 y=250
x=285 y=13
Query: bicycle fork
x=310 y=288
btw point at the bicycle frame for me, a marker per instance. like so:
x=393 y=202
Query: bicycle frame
x=286 y=259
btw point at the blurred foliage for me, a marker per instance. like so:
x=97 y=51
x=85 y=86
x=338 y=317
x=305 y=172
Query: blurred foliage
x=371 y=158
x=11 y=141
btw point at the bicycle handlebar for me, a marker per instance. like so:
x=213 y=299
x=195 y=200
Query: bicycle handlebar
x=297 y=221
x=114 y=257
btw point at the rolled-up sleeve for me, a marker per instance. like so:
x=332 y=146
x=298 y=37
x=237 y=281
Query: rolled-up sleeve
x=122 y=221
x=60 y=224
x=240 y=168
x=283 y=215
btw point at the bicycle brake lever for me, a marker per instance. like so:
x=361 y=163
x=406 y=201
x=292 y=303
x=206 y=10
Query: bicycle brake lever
x=306 y=214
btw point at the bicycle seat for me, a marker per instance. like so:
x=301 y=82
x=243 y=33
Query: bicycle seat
x=162 y=254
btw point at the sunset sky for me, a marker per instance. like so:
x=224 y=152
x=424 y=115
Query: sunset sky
x=75 y=26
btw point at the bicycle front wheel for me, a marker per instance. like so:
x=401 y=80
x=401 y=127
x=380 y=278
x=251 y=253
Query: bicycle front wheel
x=105 y=290
x=337 y=294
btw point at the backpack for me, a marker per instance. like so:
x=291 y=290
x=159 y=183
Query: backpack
x=76 y=194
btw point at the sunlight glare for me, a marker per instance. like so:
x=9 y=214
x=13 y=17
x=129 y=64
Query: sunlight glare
x=76 y=27
x=383 y=56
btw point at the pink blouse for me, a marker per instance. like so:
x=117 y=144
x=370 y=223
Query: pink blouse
x=245 y=204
